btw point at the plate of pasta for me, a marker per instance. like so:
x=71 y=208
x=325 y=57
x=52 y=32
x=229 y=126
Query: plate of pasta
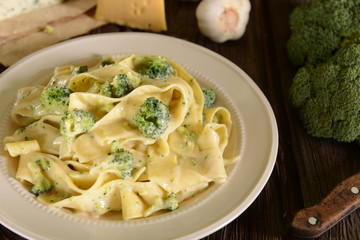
x=140 y=134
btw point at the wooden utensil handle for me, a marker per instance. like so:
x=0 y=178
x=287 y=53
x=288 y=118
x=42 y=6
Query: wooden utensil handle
x=312 y=222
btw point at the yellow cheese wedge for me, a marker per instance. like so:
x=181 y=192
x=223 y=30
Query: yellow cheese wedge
x=141 y=14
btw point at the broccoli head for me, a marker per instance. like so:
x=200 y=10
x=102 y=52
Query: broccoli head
x=80 y=69
x=209 y=97
x=43 y=164
x=41 y=183
x=123 y=161
x=156 y=67
x=106 y=89
x=171 y=202
x=54 y=100
x=119 y=160
x=121 y=85
x=152 y=118
x=326 y=96
x=76 y=122
x=318 y=27
x=107 y=61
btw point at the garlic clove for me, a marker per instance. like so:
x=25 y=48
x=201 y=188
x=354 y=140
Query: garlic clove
x=222 y=20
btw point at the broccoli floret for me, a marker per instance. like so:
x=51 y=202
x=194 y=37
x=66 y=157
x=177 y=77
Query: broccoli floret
x=106 y=89
x=54 y=100
x=43 y=164
x=118 y=159
x=123 y=161
x=171 y=202
x=318 y=28
x=152 y=118
x=80 y=69
x=41 y=183
x=156 y=67
x=326 y=96
x=77 y=122
x=114 y=147
x=121 y=85
x=107 y=61
x=209 y=97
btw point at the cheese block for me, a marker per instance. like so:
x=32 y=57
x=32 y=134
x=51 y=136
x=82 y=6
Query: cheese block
x=141 y=14
x=11 y=8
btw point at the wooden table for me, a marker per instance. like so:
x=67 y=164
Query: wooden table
x=307 y=168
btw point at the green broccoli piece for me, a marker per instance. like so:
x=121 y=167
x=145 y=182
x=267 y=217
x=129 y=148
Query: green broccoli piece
x=80 y=69
x=106 y=89
x=95 y=88
x=318 y=27
x=209 y=97
x=121 y=85
x=41 y=183
x=114 y=147
x=43 y=164
x=54 y=100
x=107 y=61
x=326 y=96
x=152 y=118
x=156 y=67
x=77 y=122
x=171 y=202
x=123 y=160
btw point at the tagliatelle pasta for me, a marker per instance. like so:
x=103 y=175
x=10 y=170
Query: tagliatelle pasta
x=117 y=162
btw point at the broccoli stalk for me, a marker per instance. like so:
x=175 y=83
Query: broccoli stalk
x=326 y=96
x=54 y=100
x=318 y=28
x=156 y=67
x=77 y=122
x=153 y=118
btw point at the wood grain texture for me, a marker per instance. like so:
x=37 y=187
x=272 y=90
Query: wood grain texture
x=307 y=168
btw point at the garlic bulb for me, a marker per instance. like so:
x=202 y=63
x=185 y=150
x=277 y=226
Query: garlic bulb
x=222 y=20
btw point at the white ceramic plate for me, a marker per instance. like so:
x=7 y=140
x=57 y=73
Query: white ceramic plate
x=254 y=136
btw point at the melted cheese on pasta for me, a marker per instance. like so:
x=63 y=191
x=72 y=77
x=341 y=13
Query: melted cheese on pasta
x=184 y=160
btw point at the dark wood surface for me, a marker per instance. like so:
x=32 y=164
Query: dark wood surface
x=307 y=168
